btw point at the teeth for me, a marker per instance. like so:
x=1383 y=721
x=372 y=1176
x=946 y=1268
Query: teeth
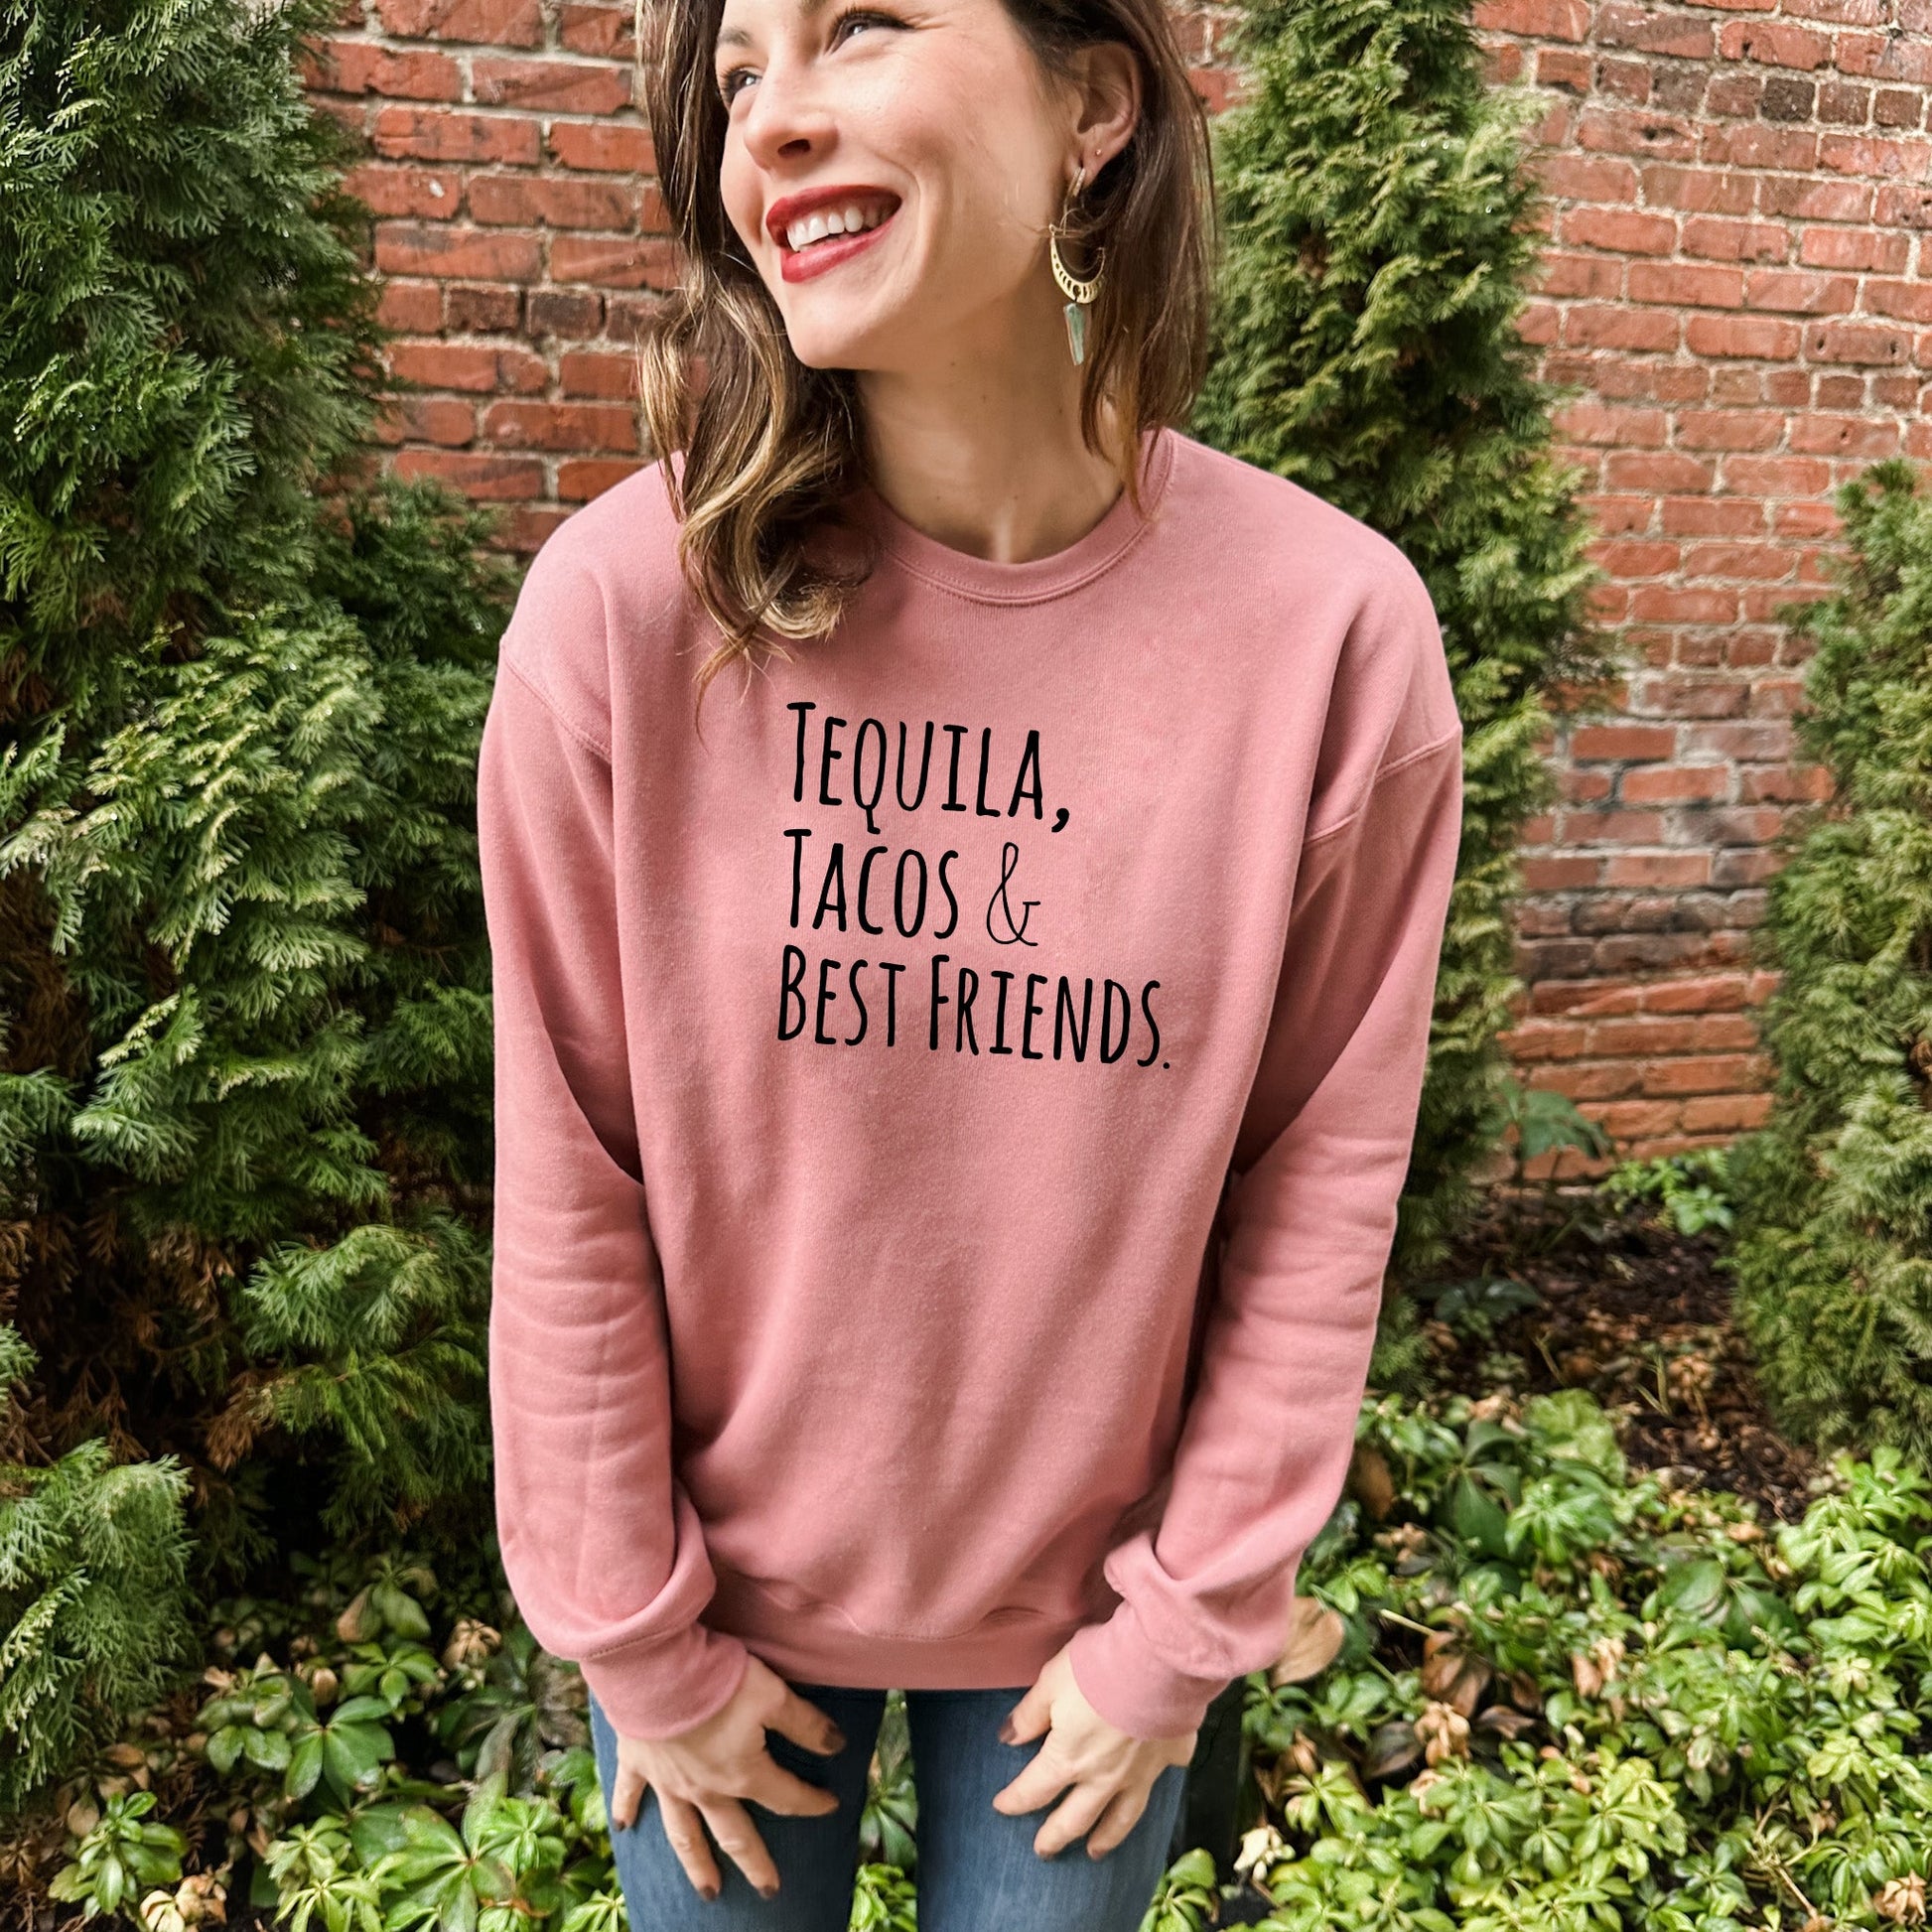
x=833 y=221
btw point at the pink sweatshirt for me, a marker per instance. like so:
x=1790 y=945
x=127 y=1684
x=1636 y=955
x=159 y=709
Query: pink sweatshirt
x=949 y=1117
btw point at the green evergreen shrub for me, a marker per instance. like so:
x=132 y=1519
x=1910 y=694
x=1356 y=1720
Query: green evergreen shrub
x=1380 y=227
x=1834 y=1197
x=245 y=1066
x=91 y=1564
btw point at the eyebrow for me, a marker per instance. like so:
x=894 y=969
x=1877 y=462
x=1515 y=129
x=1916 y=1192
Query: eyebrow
x=738 y=37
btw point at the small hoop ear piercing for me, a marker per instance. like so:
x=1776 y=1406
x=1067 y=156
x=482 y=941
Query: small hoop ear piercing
x=1079 y=295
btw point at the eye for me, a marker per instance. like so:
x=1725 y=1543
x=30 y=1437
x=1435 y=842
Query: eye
x=727 y=87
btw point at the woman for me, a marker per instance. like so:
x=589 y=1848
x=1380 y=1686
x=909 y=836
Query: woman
x=952 y=1095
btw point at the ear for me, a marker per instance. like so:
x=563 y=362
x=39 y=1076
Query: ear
x=1107 y=102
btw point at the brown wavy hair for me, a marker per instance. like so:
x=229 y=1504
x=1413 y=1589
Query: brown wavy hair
x=772 y=447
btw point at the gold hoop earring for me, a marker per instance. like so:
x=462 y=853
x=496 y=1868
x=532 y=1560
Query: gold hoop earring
x=1079 y=295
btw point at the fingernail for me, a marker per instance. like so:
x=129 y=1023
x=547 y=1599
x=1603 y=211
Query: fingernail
x=836 y=1737
x=708 y=1892
x=1008 y=1735
x=768 y=1891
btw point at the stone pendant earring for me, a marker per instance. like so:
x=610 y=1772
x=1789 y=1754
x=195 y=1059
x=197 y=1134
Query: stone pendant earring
x=1079 y=295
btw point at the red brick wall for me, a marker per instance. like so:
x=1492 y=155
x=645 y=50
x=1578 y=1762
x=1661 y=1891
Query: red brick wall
x=1739 y=278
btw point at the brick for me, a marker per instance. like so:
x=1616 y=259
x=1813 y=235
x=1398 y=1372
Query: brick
x=625 y=263
x=588 y=373
x=1869 y=156
x=1849 y=436
x=530 y=201
x=1729 y=1113
x=1557 y=20
x=1799 y=291
x=1774 y=44
x=1558 y=67
x=407 y=248
x=436 y=419
x=1730 y=429
x=1674 y=868
x=429 y=135
x=1611 y=828
x=484 y=311
x=1705 y=1073
x=430 y=192
x=472 y=368
x=571 y=312
x=1886 y=57
x=1553 y=875
x=1628 y=1120
x=1627 y=230
x=1717 y=237
x=1858 y=341
x=1902 y=204
x=1855 y=248
x=574 y=426
x=1698 y=993
x=1763 y=337
x=1910 y=301
x=1687 y=285
x=1757 y=144
x=1674 y=784
x=362 y=68
x=1653 y=31
x=572 y=86
x=1546 y=1039
x=489 y=479
x=414 y=308
x=1633 y=132
x=602 y=147
x=1623 y=742
x=1657 y=470
x=604 y=31
x=492 y=23
x=1593 y=421
x=1642 y=1036
x=1712 y=516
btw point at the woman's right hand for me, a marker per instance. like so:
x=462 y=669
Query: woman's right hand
x=701 y=1774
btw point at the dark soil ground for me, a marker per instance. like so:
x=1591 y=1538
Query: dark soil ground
x=1639 y=1314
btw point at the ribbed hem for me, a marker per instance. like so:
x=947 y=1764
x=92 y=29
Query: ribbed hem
x=807 y=1646
x=1123 y=1678
x=659 y=1690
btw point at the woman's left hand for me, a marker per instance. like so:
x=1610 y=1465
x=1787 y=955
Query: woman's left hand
x=1111 y=1771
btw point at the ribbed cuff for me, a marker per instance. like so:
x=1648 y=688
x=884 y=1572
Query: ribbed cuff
x=1122 y=1677
x=663 y=1688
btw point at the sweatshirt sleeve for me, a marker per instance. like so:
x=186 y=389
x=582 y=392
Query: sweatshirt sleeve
x=602 y=1546
x=1309 y=1215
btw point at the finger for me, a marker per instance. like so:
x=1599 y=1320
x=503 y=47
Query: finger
x=685 y=1830
x=738 y=1838
x=1028 y=1718
x=1084 y=1803
x=1042 y=1779
x=778 y=1789
x=800 y=1719
x=626 y=1788
x=1114 y=1822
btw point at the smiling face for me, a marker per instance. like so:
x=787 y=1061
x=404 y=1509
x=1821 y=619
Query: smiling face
x=929 y=133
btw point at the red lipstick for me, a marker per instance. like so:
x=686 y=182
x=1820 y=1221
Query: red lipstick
x=800 y=265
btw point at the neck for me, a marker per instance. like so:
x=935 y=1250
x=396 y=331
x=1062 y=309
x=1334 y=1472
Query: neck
x=987 y=458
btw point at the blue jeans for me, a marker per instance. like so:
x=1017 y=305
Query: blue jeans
x=978 y=1870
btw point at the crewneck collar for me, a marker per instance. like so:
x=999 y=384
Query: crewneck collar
x=989 y=582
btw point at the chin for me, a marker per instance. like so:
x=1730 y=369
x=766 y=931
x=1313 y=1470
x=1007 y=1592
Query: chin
x=836 y=348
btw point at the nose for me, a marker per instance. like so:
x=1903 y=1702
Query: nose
x=786 y=120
